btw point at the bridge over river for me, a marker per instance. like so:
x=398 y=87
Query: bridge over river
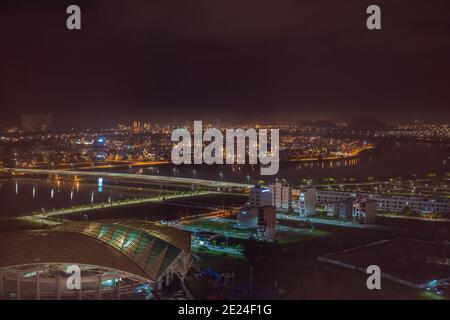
x=161 y=180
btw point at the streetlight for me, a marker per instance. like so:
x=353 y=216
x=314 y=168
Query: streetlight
x=251 y=282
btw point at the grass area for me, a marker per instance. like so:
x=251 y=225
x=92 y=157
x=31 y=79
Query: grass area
x=202 y=251
x=282 y=236
x=426 y=295
x=411 y=214
x=226 y=199
x=219 y=226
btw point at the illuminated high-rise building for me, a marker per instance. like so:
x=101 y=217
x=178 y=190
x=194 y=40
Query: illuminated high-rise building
x=282 y=195
x=37 y=122
x=260 y=197
x=307 y=202
x=259 y=214
x=364 y=210
x=136 y=125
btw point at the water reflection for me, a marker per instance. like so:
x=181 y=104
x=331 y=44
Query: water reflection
x=390 y=159
x=328 y=164
x=24 y=196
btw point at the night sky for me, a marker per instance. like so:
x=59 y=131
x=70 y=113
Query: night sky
x=169 y=60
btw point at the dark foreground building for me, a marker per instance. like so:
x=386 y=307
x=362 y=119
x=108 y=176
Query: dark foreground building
x=117 y=259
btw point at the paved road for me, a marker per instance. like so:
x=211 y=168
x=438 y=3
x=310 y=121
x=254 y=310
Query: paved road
x=43 y=217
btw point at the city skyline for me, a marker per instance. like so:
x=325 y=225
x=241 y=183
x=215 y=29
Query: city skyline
x=237 y=153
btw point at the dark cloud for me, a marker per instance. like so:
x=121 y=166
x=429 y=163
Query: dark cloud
x=281 y=60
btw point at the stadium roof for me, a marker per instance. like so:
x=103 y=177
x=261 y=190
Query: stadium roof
x=38 y=247
x=144 y=249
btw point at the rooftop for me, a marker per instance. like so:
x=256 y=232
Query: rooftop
x=145 y=249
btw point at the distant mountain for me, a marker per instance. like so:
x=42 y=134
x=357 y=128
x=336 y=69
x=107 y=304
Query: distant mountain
x=316 y=124
x=367 y=124
x=303 y=123
x=323 y=124
x=252 y=120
